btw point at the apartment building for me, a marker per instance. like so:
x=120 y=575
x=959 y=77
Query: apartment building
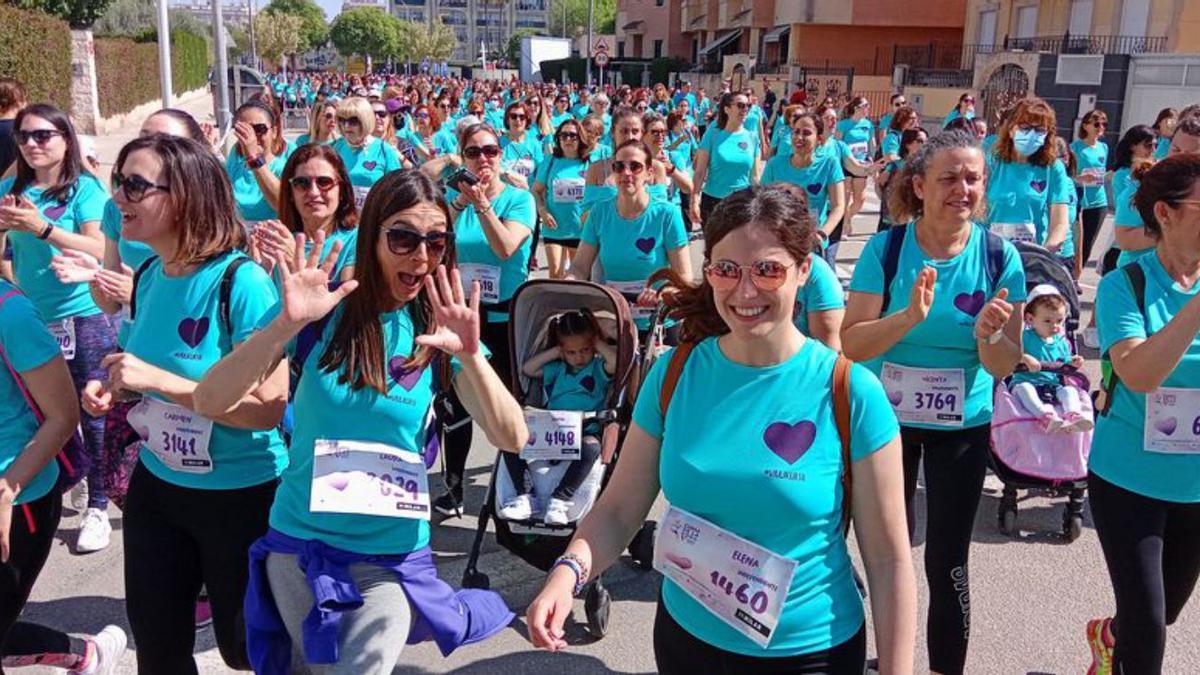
x=649 y=29
x=479 y=24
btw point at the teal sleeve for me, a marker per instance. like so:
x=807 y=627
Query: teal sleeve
x=768 y=174
x=1117 y=314
x=1127 y=214
x=91 y=200
x=823 y=290
x=542 y=174
x=591 y=231
x=675 y=235
x=1061 y=185
x=868 y=272
x=391 y=157
x=707 y=140
x=110 y=223
x=23 y=335
x=872 y=422
x=646 y=413
x=836 y=174
x=1013 y=275
x=253 y=297
x=891 y=144
x=521 y=209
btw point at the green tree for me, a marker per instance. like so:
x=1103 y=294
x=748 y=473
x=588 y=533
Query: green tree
x=365 y=31
x=127 y=18
x=512 y=50
x=277 y=36
x=77 y=13
x=314 y=31
x=241 y=41
x=604 y=19
x=439 y=41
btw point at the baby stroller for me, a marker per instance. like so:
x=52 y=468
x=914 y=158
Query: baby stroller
x=537 y=543
x=1024 y=456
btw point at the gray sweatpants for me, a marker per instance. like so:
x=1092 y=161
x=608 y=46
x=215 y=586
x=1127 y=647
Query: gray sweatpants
x=371 y=637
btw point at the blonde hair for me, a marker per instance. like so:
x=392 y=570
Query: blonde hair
x=360 y=108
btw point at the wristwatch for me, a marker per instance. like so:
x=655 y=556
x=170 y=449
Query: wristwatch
x=257 y=161
x=46 y=232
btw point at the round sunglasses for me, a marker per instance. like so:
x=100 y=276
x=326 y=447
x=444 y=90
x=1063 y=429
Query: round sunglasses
x=403 y=242
x=766 y=275
x=475 y=151
x=323 y=183
x=633 y=166
x=38 y=136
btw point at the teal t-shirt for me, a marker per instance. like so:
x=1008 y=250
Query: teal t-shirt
x=1121 y=179
x=834 y=148
x=563 y=179
x=349 y=239
x=252 y=204
x=1092 y=159
x=366 y=165
x=954 y=114
x=53 y=299
x=178 y=329
x=1119 y=454
x=471 y=245
x=1162 y=147
x=720 y=431
x=583 y=389
x=1127 y=215
x=633 y=249
x=1022 y=193
x=857 y=136
x=822 y=292
x=816 y=178
x=329 y=410
x=891 y=143
x=753 y=121
x=781 y=142
x=444 y=141
x=731 y=159
x=522 y=156
x=946 y=338
x=27 y=345
x=133 y=254
x=1057 y=349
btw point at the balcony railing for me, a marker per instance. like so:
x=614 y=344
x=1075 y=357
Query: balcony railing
x=949 y=78
x=1090 y=44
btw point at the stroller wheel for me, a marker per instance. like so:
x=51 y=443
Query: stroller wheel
x=1073 y=527
x=1008 y=521
x=641 y=549
x=476 y=579
x=597 y=605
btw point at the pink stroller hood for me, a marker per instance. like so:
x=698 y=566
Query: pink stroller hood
x=1019 y=443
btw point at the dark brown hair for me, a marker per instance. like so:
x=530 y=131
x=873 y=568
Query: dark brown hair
x=71 y=171
x=572 y=323
x=357 y=345
x=1170 y=181
x=585 y=142
x=1088 y=118
x=1033 y=111
x=903 y=202
x=852 y=105
x=776 y=208
x=204 y=218
x=346 y=216
x=1164 y=114
x=902 y=115
x=12 y=93
x=1051 y=300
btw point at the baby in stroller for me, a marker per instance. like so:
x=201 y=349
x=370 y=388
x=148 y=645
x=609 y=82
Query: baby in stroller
x=575 y=370
x=1044 y=341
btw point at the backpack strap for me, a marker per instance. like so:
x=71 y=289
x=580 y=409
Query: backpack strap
x=225 y=295
x=993 y=256
x=679 y=357
x=1137 y=283
x=841 y=414
x=137 y=276
x=37 y=412
x=891 y=260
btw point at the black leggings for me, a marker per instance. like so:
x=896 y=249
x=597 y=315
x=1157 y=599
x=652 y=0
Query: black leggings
x=955 y=462
x=1152 y=549
x=30 y=538
x=572 y=478
x=178 y=539
x=678 y=652
x=1093 y=218
x=459 y=431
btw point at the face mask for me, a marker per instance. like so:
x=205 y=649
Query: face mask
x=1028 y=142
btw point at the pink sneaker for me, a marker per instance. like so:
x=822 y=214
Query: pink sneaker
x=1050 y=422
x=1076 y=422
x=203 y=613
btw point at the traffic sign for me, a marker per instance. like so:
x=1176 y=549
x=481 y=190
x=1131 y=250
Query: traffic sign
x=600 y=47
x=601 y=59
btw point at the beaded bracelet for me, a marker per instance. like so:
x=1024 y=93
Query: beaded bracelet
x=576 y=564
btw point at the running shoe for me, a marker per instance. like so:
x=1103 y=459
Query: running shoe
x=517 y=508
x=449 y=504
x=79 y=496
x=556 y=512
x=94 y=531
x=203 y=613
x=1100 y=640
x=1091 y=337
x=104 y=651
x=1077 y=422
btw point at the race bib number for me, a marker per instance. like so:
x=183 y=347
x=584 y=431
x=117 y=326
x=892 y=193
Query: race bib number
x=64 y=334
x=524 y=167
x=553 y=434
x=1173 y=421
x=371 y=479
x=360 y=196
x=1016 y=231
x=860 y=151
x=1094 y=175
x=567 y=190
x=488 y=277
x=925 y=395
x=178 y=437
x=631 y=290
x=741 y=583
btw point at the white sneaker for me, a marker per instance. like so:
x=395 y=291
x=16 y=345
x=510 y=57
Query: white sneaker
x=108 y=646
x=556 y=512
x=1091 y=337
x=517 y=508
x=79 y=496
x=94 y=532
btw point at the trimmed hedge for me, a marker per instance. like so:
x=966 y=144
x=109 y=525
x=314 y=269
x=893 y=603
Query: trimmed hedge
x=127 y=70
x=37 y=51
x=189 y=61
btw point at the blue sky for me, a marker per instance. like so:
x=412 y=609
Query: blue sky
x=331 y=7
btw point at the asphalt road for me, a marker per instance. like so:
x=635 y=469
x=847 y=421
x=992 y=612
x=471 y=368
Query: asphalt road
x=1030 y=594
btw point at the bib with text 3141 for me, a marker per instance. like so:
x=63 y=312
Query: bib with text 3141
x=178 y=437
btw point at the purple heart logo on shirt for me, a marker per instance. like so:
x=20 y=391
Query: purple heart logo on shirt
x=1038 y=185
x=813 y=188
x=1166 y=425
x=743 y=145
x=970 y=303
x=587 y=382
x=790 y=441
x=193 y=331
x=338 y=481
x=645 y=244
x=895 y=397
x=55 y=212
x=369 y=165
x=405 y=377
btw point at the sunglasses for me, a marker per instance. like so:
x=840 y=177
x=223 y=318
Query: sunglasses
x=350 y=121
x=422 y=115
x=382 y=114
x=657 y=132
x=324 y=183
x=39 y=136
x=444 y=106
x=404 y=242
x=766 y=275
x=135 y=187
x=642 y=107
x=968 y=100
x=329 y=117
x=260 y=129
x=517 y=116
x=475 y=151
x=741 y=105
x=635 y=167
x=1100 y=125
x=899 y=104
x=568 y=136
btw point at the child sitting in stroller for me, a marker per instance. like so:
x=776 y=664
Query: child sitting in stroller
x=575 y=373
x=1043 y=341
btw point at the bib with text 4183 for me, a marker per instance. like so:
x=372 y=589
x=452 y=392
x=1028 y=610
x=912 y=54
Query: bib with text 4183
x=925 y=395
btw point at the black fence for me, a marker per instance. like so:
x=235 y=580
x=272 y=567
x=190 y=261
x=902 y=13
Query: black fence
x=1090 y=44
x=939 y=77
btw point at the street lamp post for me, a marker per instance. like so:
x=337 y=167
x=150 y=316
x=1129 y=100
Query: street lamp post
x=164 y=53
x=588 y=56
x=222 y=67
x=253 y=47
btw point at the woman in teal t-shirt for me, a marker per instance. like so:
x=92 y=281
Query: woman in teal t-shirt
x=255 y=163
x=52 y=204
x=773 y=540
x=558 y=190
x=1164 y=128
x=818 y=175
x=1134 y=155
x=1144 y=467
x=322 y=125
x=1091 y=160
x=938 y=333
x=600 y=184
x=367 y=158
x=856 y=130
x=215 y=475
x=728 y=158
x=522 y=151
x=380 y=348
x=965 y=108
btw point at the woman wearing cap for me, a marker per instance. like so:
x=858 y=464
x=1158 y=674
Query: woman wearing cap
x=558 y=189
x=773 y=453
x=728 y=158
x=257 y=161
x=938 y=332
x=366 y=157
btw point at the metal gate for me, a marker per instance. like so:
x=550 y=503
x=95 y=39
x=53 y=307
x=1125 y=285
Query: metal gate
x=1004 y=88
x=819 y=82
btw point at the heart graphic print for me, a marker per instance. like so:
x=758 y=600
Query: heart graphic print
x=645 y=244
x=814 y=189
x=970 y=303
x=402 y=376
x=1038 y=186
x=1166 y=425
x=193 y=331
x=369 y=166
x=588 y=382
x=790 y=441
x=55 y=212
